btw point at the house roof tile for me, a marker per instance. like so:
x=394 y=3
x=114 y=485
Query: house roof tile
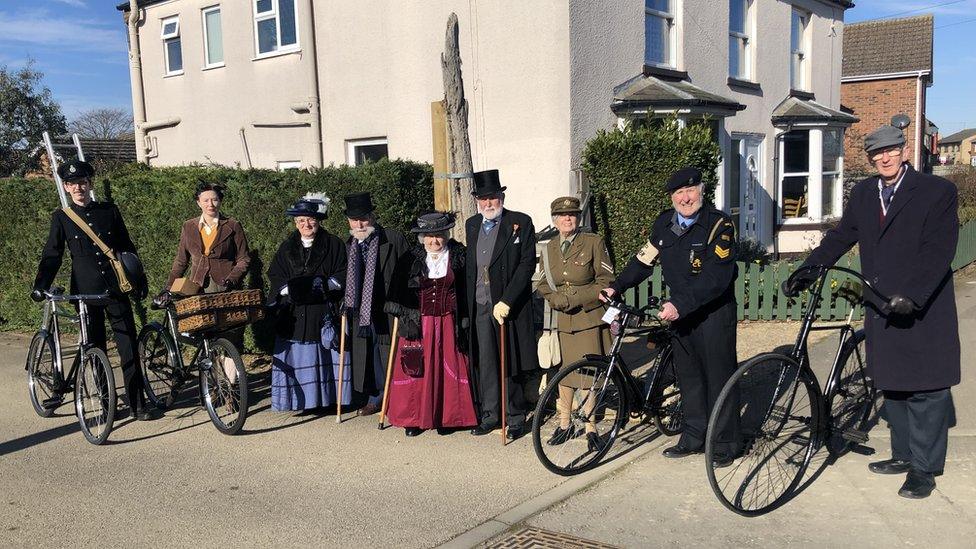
x=958 y=137
x=888 y=46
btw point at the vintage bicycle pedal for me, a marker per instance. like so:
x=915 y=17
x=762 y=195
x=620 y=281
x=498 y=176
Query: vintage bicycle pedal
x=862 y=450
x=853 y=435
x=51 y=402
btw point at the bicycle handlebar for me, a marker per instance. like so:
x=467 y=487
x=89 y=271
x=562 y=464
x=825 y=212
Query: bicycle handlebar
x=57 y=295
x=822 y=271
x=654 y=303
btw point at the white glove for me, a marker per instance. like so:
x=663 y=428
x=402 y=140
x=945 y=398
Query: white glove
x=500 y=312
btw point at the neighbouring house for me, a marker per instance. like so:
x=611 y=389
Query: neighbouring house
x=296 y=83
x=887 y=70
x=101 y=153
x=958 y=148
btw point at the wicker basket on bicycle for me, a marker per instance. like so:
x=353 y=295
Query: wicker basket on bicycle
x=219 y=311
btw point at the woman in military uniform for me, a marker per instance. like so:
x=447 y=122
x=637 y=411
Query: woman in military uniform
x=576 y=266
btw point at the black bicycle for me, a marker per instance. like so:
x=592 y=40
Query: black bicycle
x=90 y=377
x=216 y=361
x=605 y=396
x=785 y=416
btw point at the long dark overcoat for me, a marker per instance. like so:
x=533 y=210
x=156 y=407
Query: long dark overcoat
x=510 y=277
x=907 y=252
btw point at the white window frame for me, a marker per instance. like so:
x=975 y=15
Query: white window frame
x=837 y=199
x=800 y=57
x=207 y=64
x=274 y=13
x=747 y=64
x=167 y=38
x=284 y=165
x=671 y=43
x=352 y=144
x=814 y=175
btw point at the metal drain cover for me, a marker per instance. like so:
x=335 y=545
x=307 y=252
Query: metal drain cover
x=537 y=538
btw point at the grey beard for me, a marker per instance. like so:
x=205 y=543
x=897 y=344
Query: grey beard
x=362 y=234
x=494 y=215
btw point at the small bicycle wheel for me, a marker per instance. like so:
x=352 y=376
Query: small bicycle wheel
x=777 y=406
x=572 y=436
x=851 y=397
x=160 y=372
x=224 y=384
x=42 y=378
x=665 y=397
x=95 y=397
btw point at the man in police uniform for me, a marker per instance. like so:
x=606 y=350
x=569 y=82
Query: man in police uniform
x=91 y=273
x=696 y=247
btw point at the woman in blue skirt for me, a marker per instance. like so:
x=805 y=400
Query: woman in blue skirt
x=307 y=276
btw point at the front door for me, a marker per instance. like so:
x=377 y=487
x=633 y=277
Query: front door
x=750 y=175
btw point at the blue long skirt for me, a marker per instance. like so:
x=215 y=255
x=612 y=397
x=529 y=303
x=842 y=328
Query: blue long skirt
x=303 y=374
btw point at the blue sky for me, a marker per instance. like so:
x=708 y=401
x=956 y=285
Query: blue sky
x=80 y=46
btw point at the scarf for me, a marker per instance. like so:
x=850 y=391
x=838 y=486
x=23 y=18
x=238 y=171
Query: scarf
x=356 y=296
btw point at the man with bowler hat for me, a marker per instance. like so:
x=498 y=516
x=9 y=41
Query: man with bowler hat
x=500 y=262
x=374 y=253
x=91 y=273
x=695 y=245
x=906 y=226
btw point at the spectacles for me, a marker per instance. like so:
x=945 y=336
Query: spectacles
x=76 y=183
x=306 y=221
x=892 y=153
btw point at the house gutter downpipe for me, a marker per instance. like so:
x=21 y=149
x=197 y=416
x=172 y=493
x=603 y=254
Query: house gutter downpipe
x=135 y=77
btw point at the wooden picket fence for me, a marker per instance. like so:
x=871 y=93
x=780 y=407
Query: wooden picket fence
x=757 y=288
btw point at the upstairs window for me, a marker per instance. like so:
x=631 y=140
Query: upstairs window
x=213 y=40
x=172 y=48
x=799 y=46
x=275 y=26
x=740 y=39
x=659 y=32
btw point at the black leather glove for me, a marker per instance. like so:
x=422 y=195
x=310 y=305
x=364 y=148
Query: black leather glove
x=37 y=295
x=901 y=305
x=793 y=285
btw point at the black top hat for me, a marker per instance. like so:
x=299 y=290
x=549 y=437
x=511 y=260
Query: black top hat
x=75 y=169
x=487 y=183
x=306 y=207
x=359 y=205
x=433 y=222
x=685 y=177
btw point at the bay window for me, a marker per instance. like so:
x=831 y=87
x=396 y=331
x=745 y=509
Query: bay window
x=811 y=167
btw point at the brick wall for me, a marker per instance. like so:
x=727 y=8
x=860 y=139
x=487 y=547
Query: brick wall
x=874 y=103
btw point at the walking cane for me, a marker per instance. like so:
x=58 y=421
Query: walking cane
x=504 y=399
x=342 y=367
x=389 y=371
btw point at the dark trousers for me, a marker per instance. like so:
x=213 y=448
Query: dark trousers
x=489 y=378
x=704 y=359
x=919 y=423
x=119 y=314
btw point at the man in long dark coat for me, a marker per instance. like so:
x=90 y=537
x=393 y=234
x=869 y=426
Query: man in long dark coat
x=500 y=262
x=374 y=252
x=906 y=225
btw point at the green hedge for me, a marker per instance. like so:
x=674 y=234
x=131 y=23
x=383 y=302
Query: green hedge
x=627 y=169
x=155 y=203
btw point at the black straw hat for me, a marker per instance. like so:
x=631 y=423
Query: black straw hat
x=359 y=205
x=433 y=222
x=487 y=183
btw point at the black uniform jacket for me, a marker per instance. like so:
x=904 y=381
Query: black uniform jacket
x=91 y=272
x=326 y=257
x=698 y=265
x=908 y=252
x=513 y=261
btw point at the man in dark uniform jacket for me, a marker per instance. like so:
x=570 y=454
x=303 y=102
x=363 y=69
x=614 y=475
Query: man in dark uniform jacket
x=906 y=226
x=500 y=261
x=696 y=247
x=91 y=273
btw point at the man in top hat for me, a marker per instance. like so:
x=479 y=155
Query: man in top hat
x=906 y=226
x=374 y=252
x=696 y=246
x=500 y=262
x=91 y=273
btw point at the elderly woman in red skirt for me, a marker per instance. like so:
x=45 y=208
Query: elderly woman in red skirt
x=430 y=383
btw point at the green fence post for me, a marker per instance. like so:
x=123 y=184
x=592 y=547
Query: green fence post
x=754 y=291
x=740 y=292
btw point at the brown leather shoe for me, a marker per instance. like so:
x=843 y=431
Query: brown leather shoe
x=368 y=410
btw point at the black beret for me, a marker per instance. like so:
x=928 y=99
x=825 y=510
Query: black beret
x=75 y=169
x=685 y=177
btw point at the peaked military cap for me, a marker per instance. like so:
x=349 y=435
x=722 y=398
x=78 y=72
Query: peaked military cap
x=565 y=205
x=74 y=170
x=685 y=177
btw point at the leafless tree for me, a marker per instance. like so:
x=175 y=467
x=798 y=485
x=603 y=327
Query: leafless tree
x=102 y=123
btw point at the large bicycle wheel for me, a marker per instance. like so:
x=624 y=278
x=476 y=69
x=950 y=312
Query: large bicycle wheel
x=95 y=397
x=851 y=397
x=573 y=439
x=224 y=384
x=665 y=397
x=42 y=377
x=776 y=404
x=160 y=372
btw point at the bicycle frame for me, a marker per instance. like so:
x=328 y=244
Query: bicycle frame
x=51 y=325
x=200 y=343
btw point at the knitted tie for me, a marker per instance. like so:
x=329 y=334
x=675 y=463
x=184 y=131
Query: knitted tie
x=887 y=193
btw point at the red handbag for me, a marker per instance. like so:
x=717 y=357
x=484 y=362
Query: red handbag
x=412 y=358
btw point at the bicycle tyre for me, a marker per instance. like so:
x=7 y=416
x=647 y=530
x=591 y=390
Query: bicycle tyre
x=665 y=397
x=221 y=394
x=95 y=398
x=782 y=406
x=157 y=359
x=41 y=375
x=857 y=396
x=610 y=405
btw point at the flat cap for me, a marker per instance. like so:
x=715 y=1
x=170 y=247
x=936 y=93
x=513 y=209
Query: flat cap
x=884 y=137
x=565 y=205
x=75 y=169
x=685 y=177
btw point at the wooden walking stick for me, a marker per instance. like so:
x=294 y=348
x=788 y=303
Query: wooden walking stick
x=342 y=367
x=504 y=395
x=389 y=371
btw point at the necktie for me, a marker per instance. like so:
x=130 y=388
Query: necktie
x=684 y=225
x=489 y=224
x=887 y=193
x=564 y=247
